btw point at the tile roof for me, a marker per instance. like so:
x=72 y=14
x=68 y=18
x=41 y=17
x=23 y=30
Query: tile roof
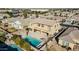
x=70 y=35
x=43 y=21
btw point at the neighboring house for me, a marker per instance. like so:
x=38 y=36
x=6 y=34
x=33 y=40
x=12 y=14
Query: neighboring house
x=70 y=40
x=44 y=26
x=68 y=21
x=16 y=24
x=66 y=41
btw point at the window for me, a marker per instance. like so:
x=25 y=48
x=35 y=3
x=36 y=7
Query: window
x=35 y=30
x=65 y=43
x=56 y=30
x=42 y=25
x=57 y=24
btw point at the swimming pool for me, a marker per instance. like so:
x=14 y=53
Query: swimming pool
x=15 y=46
x=33 y=41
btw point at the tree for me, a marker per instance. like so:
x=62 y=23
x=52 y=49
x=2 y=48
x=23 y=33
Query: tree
x=5 y=17
x=10 y=14
x=14 y=37
x=27 y=46
x=22 y=42
x=37 y=15
x=17 y=41
x=25 y=13
x=2 y=39
x=55 y=14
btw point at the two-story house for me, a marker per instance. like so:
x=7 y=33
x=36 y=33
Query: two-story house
x=44 y=26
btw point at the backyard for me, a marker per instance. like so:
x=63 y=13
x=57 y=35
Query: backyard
x=22 y=43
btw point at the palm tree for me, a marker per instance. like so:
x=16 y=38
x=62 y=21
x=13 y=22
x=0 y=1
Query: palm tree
x=55 y=14
x=25 y=13
x=37 y=15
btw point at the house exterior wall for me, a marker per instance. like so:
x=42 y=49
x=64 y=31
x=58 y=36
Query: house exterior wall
x=39 y=27
x=55 y=28
x=71 y=45
x=45 y=28
x=77 y=41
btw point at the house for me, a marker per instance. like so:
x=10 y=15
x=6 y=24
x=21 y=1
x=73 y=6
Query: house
x=43 y=25
x=16 y=24
x=70 y=39
x=69 y=21
x=66 y=41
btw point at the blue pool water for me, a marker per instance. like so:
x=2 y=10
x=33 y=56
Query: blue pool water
x=33 y=41
x=15 y=46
